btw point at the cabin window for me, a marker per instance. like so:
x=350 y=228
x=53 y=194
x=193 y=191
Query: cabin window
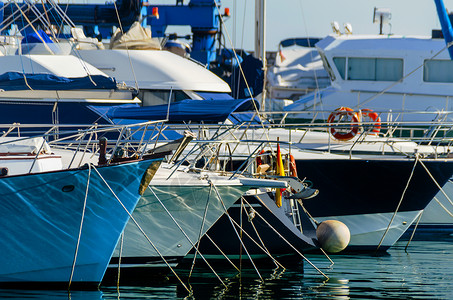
x=327 y=66
x=159 y=97
x=340 y=63
x=375 y=69
x=438 y=71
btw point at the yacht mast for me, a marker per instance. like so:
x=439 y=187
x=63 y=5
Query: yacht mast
x=260 y=41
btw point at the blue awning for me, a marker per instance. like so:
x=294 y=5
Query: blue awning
x=15 y=81
x=37 y=37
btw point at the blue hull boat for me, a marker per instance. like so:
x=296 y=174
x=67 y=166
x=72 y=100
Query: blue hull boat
x=60 y=228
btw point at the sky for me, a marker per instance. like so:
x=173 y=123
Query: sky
x=301 y=18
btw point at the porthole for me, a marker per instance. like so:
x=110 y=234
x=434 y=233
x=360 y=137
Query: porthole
x=67 y=188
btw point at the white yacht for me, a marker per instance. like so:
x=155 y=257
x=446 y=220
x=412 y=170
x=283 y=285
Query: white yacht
x=297 y=70
x=400 y=77
x=409 y=76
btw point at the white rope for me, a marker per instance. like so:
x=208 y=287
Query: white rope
x=440 y=188
x=413 y=232
x=119 y=261
x=255 y=242
x=317 y=224
x=187 y=237
x=197 y=245
x=231 y=220
x=443 y=207
x=294 y=248
x=141 y=230
x=220 y=250
x=81 y=226
x=258 y=235
x=399 y=204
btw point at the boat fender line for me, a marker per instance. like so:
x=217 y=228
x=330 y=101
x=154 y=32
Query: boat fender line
x=344 y=133
x=369 y=114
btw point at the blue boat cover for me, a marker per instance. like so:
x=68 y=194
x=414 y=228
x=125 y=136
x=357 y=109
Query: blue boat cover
x=35 y=38
x=15 y=81
x=182 y=111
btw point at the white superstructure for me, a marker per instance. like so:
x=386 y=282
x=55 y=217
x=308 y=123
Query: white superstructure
x=384 y=73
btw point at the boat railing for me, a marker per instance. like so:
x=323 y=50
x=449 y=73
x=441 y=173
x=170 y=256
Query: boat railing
x=84 y=142
x=220 y=142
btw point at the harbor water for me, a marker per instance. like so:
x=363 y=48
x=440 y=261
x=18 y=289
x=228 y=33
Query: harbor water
x=424 y=271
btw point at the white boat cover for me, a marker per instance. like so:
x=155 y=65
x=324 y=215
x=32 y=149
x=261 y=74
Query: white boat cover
x=15 y=145
x=136 y=37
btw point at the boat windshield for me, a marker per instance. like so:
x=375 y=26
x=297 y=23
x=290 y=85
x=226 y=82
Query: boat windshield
x=158 y=97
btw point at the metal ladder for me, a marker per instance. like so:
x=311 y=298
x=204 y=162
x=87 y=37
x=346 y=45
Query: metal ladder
x=295 y=214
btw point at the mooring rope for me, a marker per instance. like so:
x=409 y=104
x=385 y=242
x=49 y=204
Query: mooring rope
x=119 y=261
x=220 y=250
x=440 y=188
x=253 y=240
x=413 y=232
x=417 y=156
x=200 y=234
x=237 y=234
x=80 y=228
x=186 y=236
x=142 y=231
x=443 y=207
x=257 y=233
x=294 y=248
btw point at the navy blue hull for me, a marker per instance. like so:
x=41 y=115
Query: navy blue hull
x=28 y=112
x=225 y=237
x=352 y=187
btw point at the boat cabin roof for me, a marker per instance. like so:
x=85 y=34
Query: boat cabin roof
x=378 y=45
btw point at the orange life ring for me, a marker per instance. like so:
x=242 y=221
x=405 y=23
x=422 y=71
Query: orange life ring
x=344 y=134
x=374 y=117
x=292 y=166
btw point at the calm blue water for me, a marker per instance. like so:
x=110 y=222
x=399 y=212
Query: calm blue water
x=424 y=272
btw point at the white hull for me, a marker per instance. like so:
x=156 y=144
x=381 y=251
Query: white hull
x=366 y=235
x=173 y=217
x=439 y=212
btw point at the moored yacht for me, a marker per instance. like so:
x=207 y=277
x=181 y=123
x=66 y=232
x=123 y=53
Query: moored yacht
x=407 y=75
x=377 y=186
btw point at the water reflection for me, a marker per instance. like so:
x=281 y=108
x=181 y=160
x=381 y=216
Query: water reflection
x=425 y=271
x=50 y=294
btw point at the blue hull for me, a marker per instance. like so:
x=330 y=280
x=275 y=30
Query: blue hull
x=41 y=217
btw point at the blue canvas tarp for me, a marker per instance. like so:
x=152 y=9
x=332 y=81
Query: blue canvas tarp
x=15 y=81
x=37 y=37
x=182 y=111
